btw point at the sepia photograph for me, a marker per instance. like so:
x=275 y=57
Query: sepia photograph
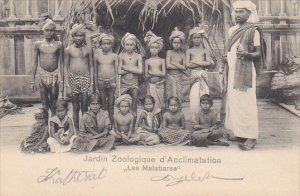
x=150 y=97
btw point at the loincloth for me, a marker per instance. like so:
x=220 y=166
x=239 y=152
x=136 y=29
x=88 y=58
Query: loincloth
x=48 y=79
x=128 y=82
x=104 y=84
x=79 y=83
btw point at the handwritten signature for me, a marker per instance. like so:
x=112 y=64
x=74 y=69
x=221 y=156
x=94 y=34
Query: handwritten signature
x=172 y=180
x=56 y=176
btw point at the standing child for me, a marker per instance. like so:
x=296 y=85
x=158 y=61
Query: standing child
x=106 y=66
x=37 y=141
x=198 y=59
x=79 y=66
x=48 y=54
x=148 y=124
x=155 y=70
x=205 y=126
x=130 y=67
x=173 y=127
x=94 y=128
x=175 y=63
x=61 y=129
x=123 y=120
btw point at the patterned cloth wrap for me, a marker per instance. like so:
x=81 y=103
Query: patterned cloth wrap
x=174 y=137
x=79 y=83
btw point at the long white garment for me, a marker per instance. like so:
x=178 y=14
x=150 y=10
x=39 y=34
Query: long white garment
x=241 y=107
x=198 y=89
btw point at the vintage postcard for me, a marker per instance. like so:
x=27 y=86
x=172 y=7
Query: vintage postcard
x=149 y=97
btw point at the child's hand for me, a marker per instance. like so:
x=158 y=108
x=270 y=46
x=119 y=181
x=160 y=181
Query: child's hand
x=32 y=86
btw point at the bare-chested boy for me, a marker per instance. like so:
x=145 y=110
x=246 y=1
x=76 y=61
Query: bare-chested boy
x=106 y=66
x=123 y=120
x=130 y=67
x=79 y=66
x=198 y=59
x=175 y=64
x=48 y=54
x=155 y=70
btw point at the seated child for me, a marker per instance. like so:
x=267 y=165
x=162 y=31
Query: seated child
x=61 y=129
x=37 y=141
x=205 y=126
x=123 y=120
x=173 y=127
x=94 y=128
x=148 y=124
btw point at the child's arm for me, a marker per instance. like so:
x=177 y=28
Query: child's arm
x=142 y=119
x=95 y=71
x=134 y=69
x=71 y=129
x=52 y=133
x=182 y=122
x=91 y=66
x=116 y=125
x=61 y=64
x=161 y=73
x=35 y=64
x=116 y=65
x=147 y=69
x=164 y=121
x=121 y=71
x=206 y=63
x=131 y=126
x=66 y=60
x=172 y=65
x=44 y=137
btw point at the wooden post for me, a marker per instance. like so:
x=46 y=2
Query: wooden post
x=28 y=15
x=12 y=13
x=56 y=11
x=282 y=8
x=34 y=8
x=268 y=8
x=269 y=55
x=28 y=53
x=260 y=11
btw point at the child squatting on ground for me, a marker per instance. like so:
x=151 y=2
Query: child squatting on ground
x=206 y=132
x=173 y=130
x=37 y=141
x=148 y=124
x=94 y=129
x=61 y=129
x=123 y=120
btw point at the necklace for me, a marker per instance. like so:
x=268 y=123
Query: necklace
x=130 y=56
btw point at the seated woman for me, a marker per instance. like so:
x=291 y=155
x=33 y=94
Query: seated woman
x=148 y=124
x=37 y=141
x=94 y=128
x=173 y=127
x=61 y=129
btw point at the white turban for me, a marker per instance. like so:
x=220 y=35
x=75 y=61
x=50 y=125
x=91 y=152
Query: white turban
x=104 y=36
x=196 y=30
x=76 y=28
x=253 y=18
x=128 y=36
x=124 y=97
x=48 y=22
x=151 y=38
x=177 y=34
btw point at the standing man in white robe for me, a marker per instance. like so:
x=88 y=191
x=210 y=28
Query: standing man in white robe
x=244 y=47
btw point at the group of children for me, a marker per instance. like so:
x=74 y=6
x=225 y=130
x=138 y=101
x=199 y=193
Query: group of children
x=94 y=76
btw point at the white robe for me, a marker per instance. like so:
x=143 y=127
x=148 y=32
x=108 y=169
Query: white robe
x=241 y=107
